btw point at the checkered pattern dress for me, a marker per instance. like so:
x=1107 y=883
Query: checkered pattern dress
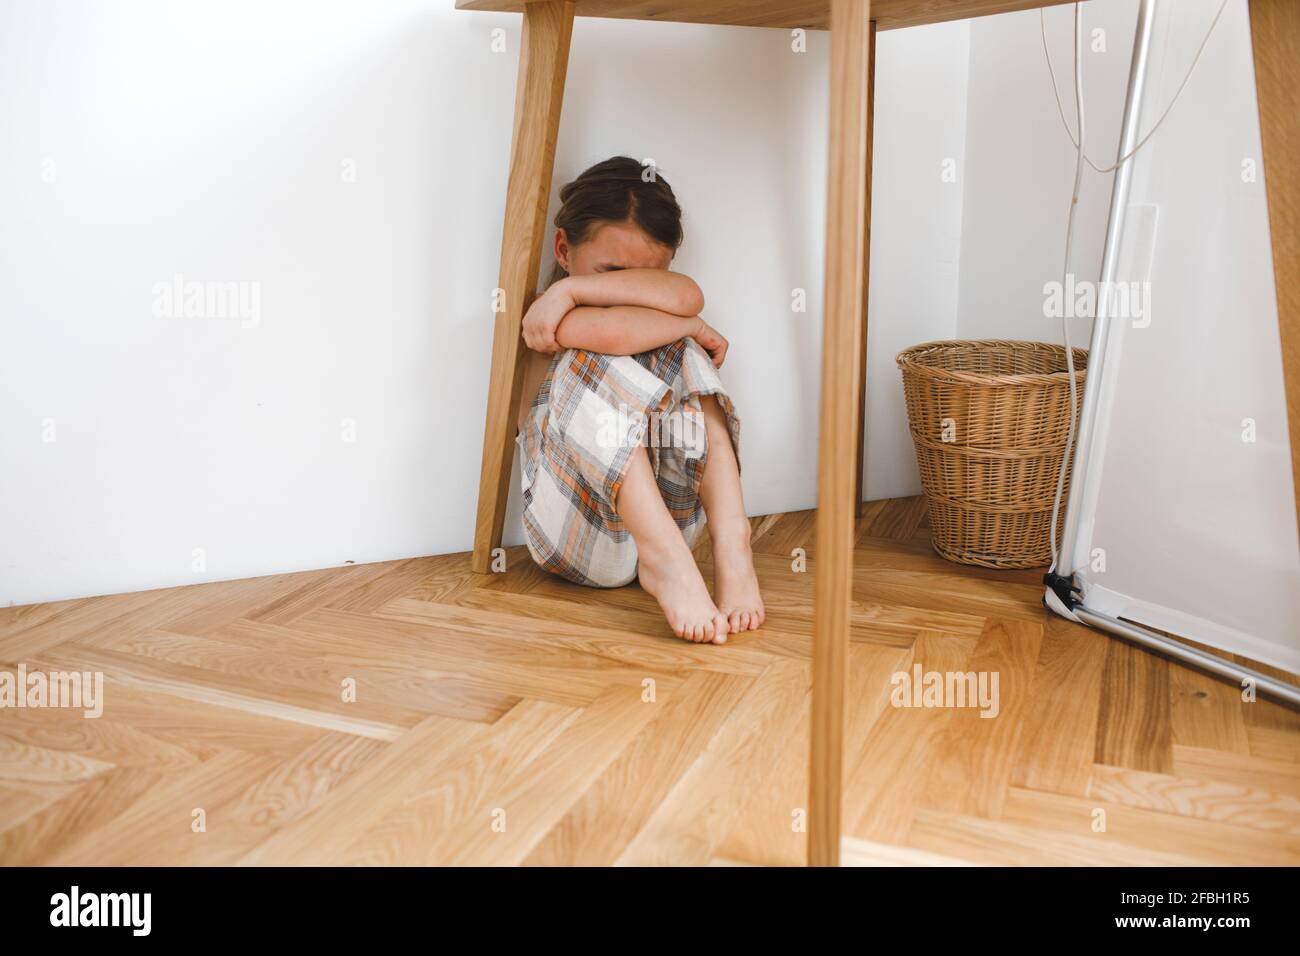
x=591 y=411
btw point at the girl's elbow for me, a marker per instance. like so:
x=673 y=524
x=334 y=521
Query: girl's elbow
x=692 y=297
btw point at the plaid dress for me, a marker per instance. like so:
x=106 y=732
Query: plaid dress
x=591 y=411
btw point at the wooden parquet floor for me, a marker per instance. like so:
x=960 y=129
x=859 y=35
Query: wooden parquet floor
x=412 y=712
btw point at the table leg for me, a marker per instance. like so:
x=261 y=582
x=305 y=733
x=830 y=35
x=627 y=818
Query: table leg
x=539 y=93
x=859 y=450
x=1275 y=39
x=848 y=192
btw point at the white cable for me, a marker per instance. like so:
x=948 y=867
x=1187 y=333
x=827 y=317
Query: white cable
x=1042 y=29
x=1069 y=242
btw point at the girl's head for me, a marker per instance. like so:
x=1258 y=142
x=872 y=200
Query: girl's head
x=616 y=215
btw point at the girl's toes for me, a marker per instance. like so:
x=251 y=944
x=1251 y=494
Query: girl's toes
x=720 y=629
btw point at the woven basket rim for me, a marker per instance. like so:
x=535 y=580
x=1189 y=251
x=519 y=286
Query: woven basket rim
x=906 y=363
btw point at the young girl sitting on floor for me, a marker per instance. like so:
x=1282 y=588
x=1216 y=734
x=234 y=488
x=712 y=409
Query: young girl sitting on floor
x=630 y=444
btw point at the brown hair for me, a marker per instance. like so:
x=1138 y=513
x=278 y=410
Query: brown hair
x=620 y=189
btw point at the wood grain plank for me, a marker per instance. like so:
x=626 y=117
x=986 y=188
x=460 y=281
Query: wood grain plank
x=894 y=762
x=1275 y=43
x=240 y=810
x=858 y=852
x=976 y=757
x=1059 y=738
x=1133 y=723
x=1249 y=771
x=163 y=814
x=100 y=802
x=847 y=241
x=698 y=813
x=809 y=14
x=1203 y=799
x=479 y=657
x=25 y=763
x=860 y=438
x=337 y=686
x=1160 y=834
x=445 y=824
x=106 y=740
x=408 y=767
x=537 y=796
x=658 y=650
x=539 y=94
x=392 y=678
x=1003 y=843
x=608 y=816
x=766 y=832
x=897 y=519
x=1273 y=743
x=314 y=707
x=1206 y=711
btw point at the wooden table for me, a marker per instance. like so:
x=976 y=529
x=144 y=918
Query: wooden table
x=544 y=54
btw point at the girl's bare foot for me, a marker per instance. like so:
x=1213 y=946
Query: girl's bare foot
x=734 y=580
x=675 y=582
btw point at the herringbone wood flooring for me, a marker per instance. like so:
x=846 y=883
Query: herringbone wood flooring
x=517 y=719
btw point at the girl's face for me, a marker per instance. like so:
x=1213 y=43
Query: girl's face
x=615 y=245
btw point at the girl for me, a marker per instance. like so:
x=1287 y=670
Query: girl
x=630 y=445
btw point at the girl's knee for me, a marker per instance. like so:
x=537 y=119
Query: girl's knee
x=614 y=579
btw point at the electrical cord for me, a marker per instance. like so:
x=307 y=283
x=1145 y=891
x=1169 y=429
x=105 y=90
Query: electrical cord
x=1042 y=28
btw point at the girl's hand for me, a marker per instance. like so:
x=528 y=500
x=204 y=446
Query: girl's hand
x=712 y=341
x=543 y=318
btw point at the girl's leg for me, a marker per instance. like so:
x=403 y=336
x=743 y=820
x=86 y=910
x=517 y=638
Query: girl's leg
x=735 y=584
x=665 y=565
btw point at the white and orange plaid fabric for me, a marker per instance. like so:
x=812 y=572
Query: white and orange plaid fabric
x=591 y=411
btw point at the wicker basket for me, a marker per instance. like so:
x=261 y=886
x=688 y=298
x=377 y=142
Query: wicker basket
x=990 y=421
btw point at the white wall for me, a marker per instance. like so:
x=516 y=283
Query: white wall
x=1020 y=165
x=916 y=228
x=209 y=140
x=346 y=162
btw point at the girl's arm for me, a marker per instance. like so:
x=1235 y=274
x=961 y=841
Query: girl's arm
x=666 y=292
x=659 y=289
x=623 y=329
x=631 y=329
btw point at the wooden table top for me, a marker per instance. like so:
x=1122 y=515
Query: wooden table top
x=810 y=14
